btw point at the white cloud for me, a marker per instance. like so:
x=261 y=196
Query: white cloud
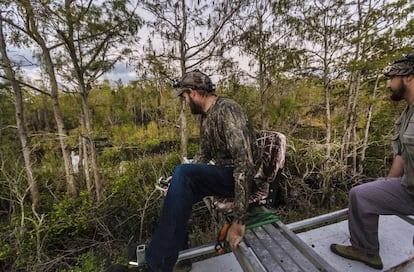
x=123 y=72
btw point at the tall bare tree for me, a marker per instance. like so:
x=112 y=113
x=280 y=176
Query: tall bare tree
x=367 y=50
x=95 y=37
x=35 y=26
x=21 y=125
x=264 y=38
x=323 y=27
x=187 y=35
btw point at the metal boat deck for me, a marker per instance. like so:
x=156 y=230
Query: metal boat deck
x=279 y=247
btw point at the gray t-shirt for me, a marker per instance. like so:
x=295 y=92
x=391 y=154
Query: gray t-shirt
x=403 y=144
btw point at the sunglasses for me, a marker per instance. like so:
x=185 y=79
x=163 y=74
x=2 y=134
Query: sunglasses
x=186 y=90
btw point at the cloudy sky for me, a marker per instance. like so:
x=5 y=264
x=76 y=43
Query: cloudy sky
x=122 y=72
x=31 y=70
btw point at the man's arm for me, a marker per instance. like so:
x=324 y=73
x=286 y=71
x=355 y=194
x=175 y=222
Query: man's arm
x=239 y=142
x=397 y=167
x=239 y=138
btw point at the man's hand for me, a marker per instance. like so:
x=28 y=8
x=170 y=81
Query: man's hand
x=235 y=235
x=164 y=185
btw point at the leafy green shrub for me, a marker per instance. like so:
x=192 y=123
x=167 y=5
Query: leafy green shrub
x=133 y=203
x=90 y=261
x=7 y=250
x=69 y=218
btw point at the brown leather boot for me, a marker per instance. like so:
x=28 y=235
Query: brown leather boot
x=352 y=253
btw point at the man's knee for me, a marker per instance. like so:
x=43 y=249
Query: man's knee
x=361 y=198
x=182 y=178
x=353 y=192
x=181 y=170
x=357 y=192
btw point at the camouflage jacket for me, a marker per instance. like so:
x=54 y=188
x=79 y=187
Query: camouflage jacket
x=228 y=139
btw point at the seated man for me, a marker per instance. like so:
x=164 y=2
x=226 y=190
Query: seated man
x=391 y=195
x=228 y=139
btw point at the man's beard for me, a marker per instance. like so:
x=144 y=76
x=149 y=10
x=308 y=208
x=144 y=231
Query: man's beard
x=398 y=94
x=195 y=108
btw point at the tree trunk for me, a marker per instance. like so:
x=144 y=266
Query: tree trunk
x=183 y=52
x=84 y=87
x=21 y=126
x=262 y=75
x=160 y=111
x=62 y=134
x=92 y=147
x=367 y=127
x=326 y=165
x=262 y=90
x=32 y=30
x=327 y=128
x=84 y=157
x=45 y=114
x=351 y=135
x=346 y=138
x=184 y=137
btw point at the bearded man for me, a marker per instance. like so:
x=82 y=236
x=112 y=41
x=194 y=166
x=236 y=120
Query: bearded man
x=227 y=138
x=390 y=195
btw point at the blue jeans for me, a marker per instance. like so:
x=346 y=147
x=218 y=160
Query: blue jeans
x=189 y=184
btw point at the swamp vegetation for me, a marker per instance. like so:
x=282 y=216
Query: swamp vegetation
x=80 y=151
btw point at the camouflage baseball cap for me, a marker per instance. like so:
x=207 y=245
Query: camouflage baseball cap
x=195 y=80
x=401 y=67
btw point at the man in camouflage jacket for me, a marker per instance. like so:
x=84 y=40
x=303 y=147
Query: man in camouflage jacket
x=225 y=166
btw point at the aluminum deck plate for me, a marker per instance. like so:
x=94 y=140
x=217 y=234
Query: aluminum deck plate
x=396 y=240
